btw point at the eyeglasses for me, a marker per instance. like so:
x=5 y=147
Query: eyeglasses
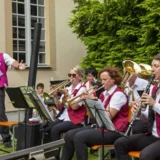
x=73 y=75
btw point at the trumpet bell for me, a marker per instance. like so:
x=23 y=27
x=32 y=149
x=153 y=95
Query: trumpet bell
x=146 y=71
x=131 y=66
x=46 y=96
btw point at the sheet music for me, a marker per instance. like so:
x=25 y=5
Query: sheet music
x=42 y=106
x=45 y=107
x=24 y=90
x=98 y=111
x=35 y=101
x=26 y=97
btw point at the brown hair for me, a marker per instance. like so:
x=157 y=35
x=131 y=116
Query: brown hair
x=40 y=85
x=113 y=73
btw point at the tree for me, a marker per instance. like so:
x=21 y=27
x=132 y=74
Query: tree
x=117 y=30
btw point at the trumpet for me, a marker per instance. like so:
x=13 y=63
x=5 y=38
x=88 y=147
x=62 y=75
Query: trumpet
x=73 y=99
x=146 y=72
x=134 y=115
x=130 y=67
x=59 y=86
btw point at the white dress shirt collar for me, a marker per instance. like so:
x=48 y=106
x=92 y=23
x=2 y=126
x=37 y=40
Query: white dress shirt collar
x=110 y=91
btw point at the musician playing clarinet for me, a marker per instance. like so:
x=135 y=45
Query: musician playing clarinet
x=148 y=144
x=132 y=87
x=116 y=104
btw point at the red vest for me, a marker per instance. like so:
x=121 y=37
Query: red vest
x=3 y=69
x=77 y=116
x=157 y=116
x=120 y=121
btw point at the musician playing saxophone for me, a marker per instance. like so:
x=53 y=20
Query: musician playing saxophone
x=146 y=143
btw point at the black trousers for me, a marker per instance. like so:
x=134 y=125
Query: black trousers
x=90 y=137
x=59 y=127
x=4 y=131
x=56 y=128
x=140 y=126
x=148 y=145
x=68 y=147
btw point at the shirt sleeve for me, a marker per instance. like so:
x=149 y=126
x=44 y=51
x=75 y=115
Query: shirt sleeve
x=82 y=89
x=156 y=107
x=8 y=60
x=118 y=100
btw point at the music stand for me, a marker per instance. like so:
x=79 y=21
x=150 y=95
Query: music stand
x=40 y=106
x=18 y=99
x=26 y=97
x=96 y=108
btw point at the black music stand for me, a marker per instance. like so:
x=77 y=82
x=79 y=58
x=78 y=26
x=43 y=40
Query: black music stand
x=26 y=97
x=17 y=99
x=40 y=106
x=96 y=108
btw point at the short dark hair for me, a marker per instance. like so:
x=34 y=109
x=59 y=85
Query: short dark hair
x=41 y=85
x=114 y=73
x=157 y=57
x=92 y=71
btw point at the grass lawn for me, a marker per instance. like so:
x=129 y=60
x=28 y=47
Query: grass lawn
x=2 y=147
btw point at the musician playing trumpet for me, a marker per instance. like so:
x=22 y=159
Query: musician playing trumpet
x=71 y=116
x=148 y=144
x=116 y=104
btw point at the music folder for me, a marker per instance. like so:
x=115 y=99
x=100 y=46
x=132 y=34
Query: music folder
x=96 y=108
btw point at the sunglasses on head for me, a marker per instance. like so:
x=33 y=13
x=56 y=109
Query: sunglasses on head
x=73 y=75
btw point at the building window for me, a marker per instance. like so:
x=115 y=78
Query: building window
x=25 y=14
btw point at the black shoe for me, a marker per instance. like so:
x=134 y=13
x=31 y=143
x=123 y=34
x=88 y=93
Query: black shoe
x=7 y=144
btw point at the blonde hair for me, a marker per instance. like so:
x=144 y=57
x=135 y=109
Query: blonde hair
x=79 y=71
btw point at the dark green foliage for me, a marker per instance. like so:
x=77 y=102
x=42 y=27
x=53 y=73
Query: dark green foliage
x=116 y=30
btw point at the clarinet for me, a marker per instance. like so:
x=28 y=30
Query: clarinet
x=134 y=115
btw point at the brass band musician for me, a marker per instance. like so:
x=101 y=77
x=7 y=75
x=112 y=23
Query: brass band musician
x=135 y=85
x=146 y=143
x=71 y=116
x=115 y=101
x=91 y=75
